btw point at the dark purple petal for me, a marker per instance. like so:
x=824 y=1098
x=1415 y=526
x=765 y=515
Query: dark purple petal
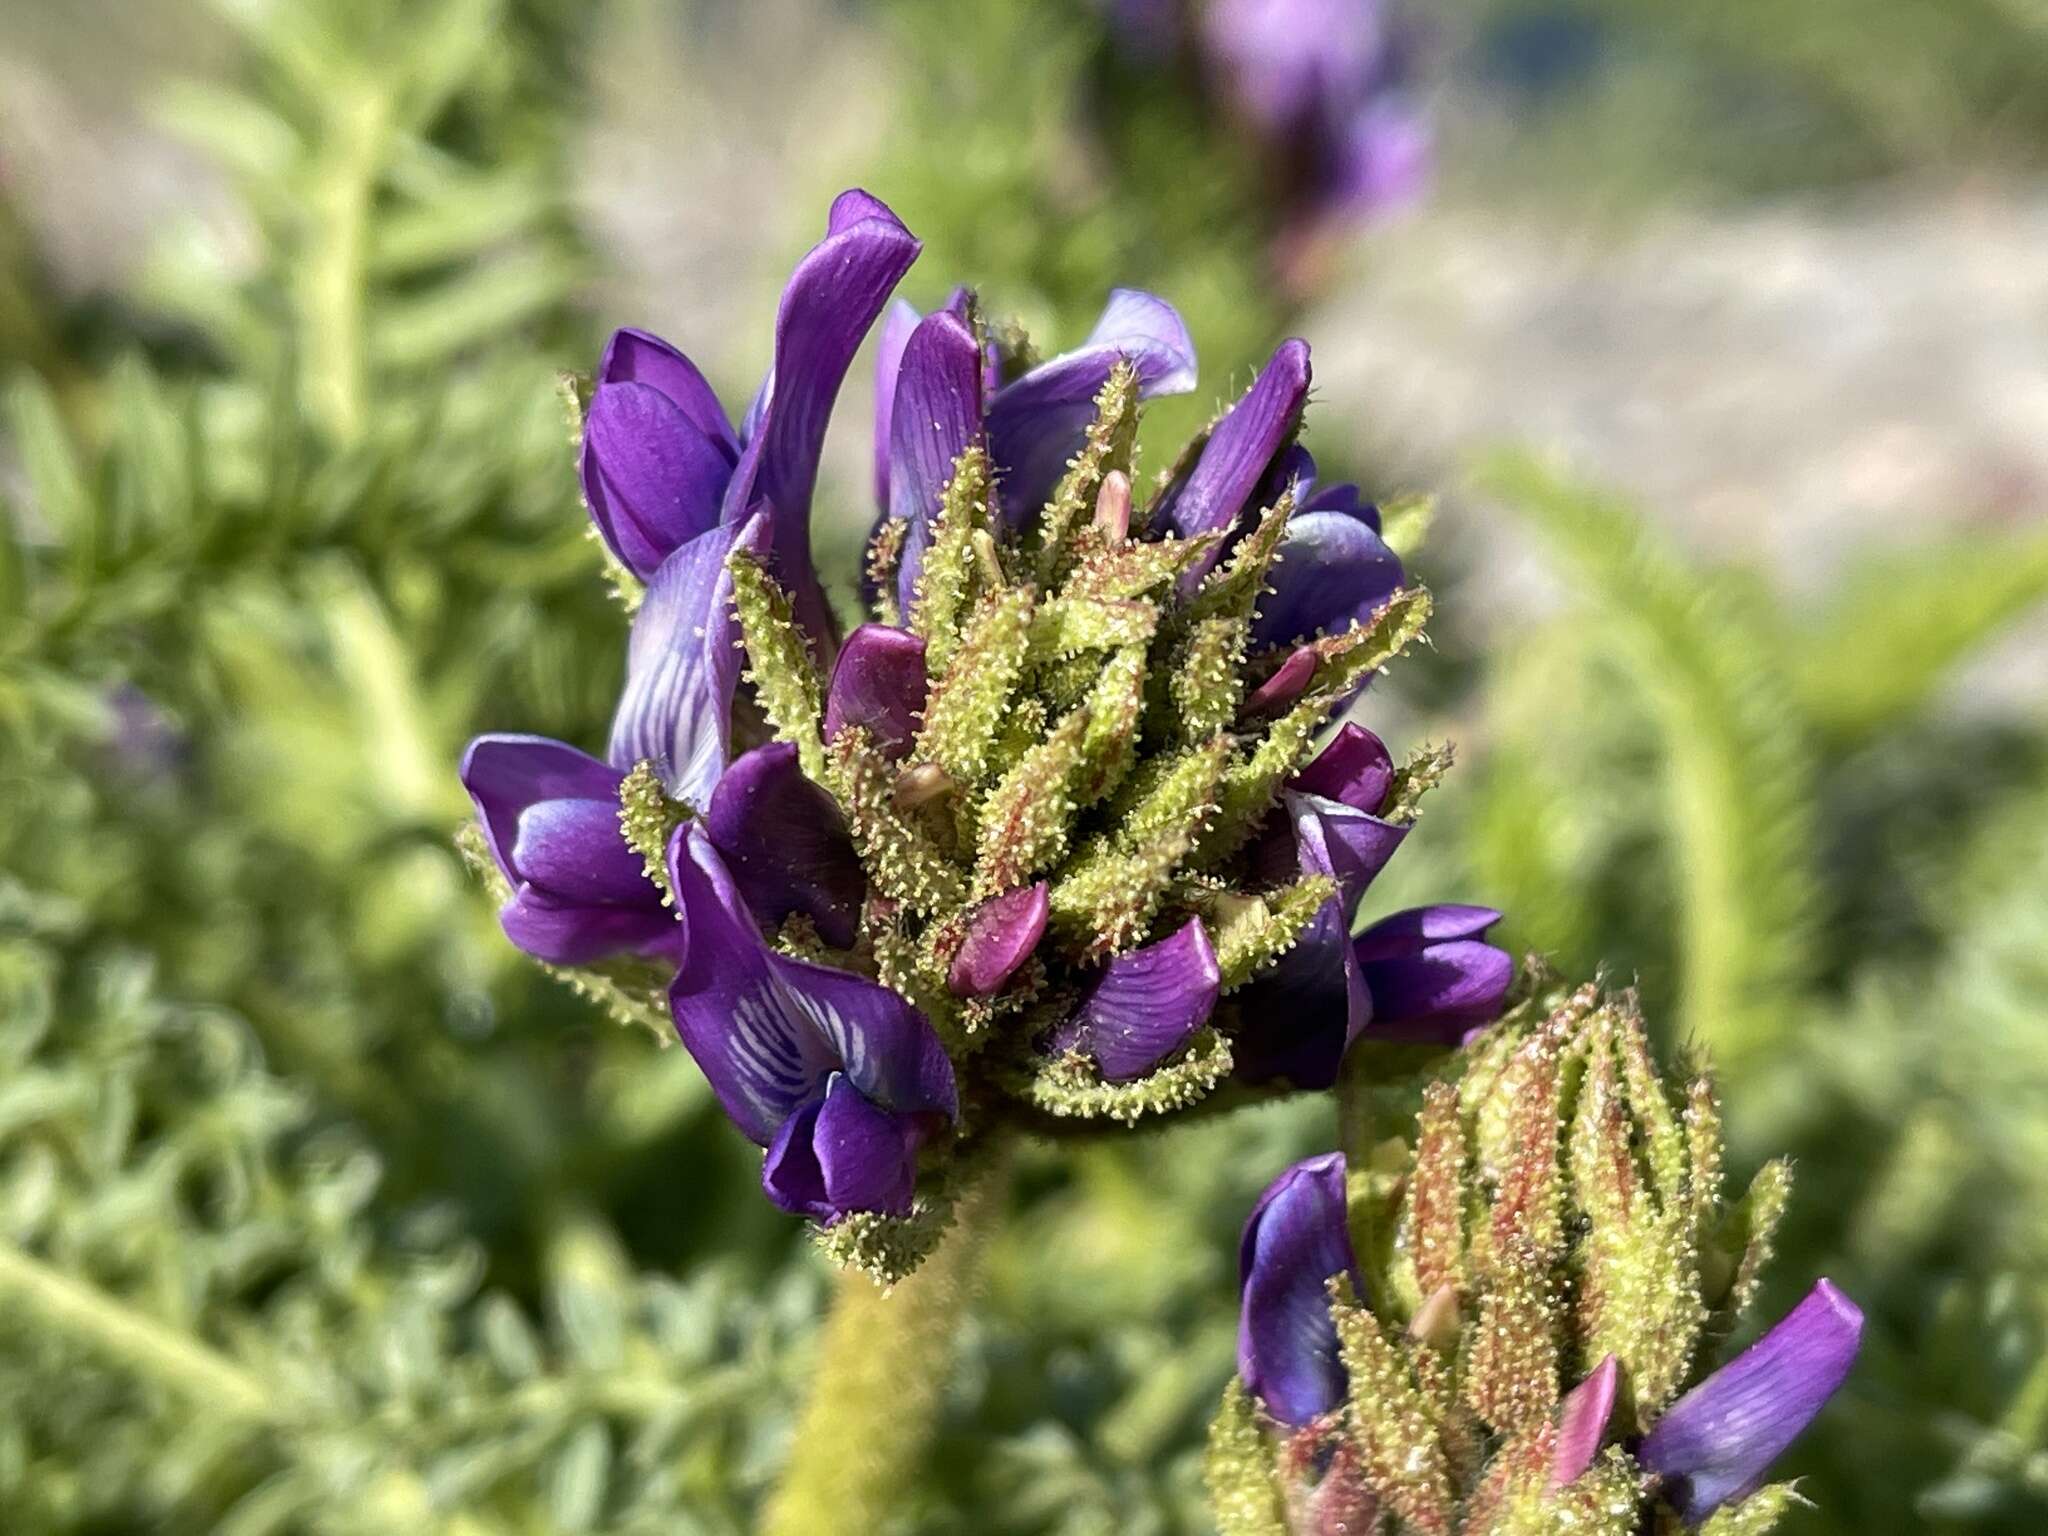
x=1149 y=1002
x=683 y=665
x=1405 y=932
x=1000 y=937
x=639 y=357
x=1295 y=1241
x=652 y=480
x=1427 y=980
x=831 y=299
x=576 y=933
x=1248 y=438
x=937 y=417
x=505 y=774
x=1301 y=1015
x=890 y=341
x=1355 y=769
x=841 y=1154
x=574 y=850
x=768 y=1030
x=786 y=845
x=1718 y=1441
x=1036 y=423
x=1298 y=1018
x=1333 y=571
x=878 y=682
x=1582 y=1422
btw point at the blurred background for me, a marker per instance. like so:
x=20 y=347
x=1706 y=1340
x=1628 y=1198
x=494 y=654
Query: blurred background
x=1722 y=331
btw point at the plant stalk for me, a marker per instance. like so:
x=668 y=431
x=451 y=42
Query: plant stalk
x=882 y=1364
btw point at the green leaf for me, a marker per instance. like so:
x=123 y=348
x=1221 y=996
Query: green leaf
x=1736 y=766
x=1899 y=622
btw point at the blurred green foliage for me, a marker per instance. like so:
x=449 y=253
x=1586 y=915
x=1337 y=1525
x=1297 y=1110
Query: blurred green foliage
x=321 y=1211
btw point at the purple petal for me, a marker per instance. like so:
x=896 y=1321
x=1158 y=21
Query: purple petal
x=1302 y=1014
x=1355 y=769
x=878 y=682
x=1246 y=441
x=1000 y=938
x=652 y=480
x=831 y=299
x=1332 y=839
x=1036 y=423
x=1333 y=571
x=1718 y=1441
x=786 y=845
x=683 y=665
x=1295 y=1241
x=1149 y=1002
x=505 y=774
x=937 y=417
x=1582 y=1422
x=768 y=1030
x=576 y=933
x=1404 y=932
x=1381 y=159
x=842 y=1154
x=1438 y=993
x=641 y=357
x=890 y=341
x=573 y=850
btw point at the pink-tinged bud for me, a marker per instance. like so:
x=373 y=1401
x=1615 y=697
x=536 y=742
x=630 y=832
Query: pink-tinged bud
x=1286 y=685
x=1113 y=506
x=1583 y=1422
x=1000 y=937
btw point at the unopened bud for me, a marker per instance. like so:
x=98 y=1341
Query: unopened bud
x=1113 y=506
x=920 y=784
x=1436 y=1322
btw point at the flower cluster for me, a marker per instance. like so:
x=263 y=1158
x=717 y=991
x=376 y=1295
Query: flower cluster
x=1050 y=838
x=1499 y=1329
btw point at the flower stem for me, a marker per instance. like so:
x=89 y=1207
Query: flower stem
x=882 y=1364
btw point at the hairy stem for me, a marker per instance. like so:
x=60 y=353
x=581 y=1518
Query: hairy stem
x=881 y=1366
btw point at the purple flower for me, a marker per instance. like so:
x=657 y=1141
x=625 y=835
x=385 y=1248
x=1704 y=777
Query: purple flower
x=1418 y=975
x=1241 y=451
x=1716 y=1443
x=785 y=844
x=1000 y=938
x=1302 y=1014
x=936 y=394
x=837 y=1076
x=1430 y=976
x=1295 y=1242
x=550 y=813
x=879 y=683
x=683 y=666
x=1333 y=570
x=662 y=464
x=1146 y=1004
x=550 y=818
x=1327 y=84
